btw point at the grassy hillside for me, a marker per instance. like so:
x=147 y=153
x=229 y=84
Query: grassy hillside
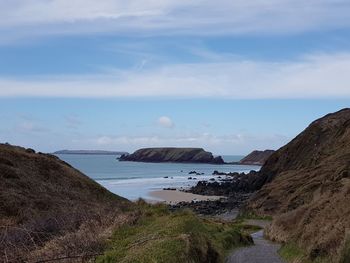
x=308 y=190
x=48 y=209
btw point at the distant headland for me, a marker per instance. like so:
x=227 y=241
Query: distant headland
x=256 y=157
x=172 y=154
x=96 y=152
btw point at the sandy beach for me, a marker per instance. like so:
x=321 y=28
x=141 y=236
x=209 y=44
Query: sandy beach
x=175 y=196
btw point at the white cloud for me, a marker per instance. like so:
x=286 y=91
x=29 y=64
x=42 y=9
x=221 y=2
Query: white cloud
x=205 y=17
x=165 y=122
x=313 y=76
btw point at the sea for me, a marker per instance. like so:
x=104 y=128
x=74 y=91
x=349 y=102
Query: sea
x=134 y=180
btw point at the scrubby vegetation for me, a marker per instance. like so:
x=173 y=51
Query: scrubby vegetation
x=292 y=253
x=307 y=188
x=163 y=236
x=50 y=210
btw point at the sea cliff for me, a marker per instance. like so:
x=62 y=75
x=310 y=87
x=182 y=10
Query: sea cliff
x=256 y=157
x=176 y=155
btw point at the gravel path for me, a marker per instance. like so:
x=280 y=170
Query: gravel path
x=263 y=251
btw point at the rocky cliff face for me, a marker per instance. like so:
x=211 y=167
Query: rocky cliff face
x=49 y=209
x=307 y=188
x=256 y=157
x=178 y=155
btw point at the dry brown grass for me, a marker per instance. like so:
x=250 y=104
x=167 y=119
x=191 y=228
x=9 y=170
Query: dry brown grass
x=309 y=189
x=50 y=210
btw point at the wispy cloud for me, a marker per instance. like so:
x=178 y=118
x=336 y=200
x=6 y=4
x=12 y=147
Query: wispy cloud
x=200 y=17
x=312 y=76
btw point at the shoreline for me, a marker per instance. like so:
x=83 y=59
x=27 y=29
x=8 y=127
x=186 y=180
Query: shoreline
x=176 y=196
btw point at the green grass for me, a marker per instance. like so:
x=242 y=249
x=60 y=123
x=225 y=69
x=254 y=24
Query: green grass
x=292 y=253
x=162 y=236
x=251 y=215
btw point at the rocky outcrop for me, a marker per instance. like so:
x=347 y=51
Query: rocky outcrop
x=256 y=157
x=217 y=207
x=229 y=185
x=176 y=155
x=306 y=187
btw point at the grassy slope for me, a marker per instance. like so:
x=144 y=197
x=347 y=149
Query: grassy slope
x=309 y=190
x=293 y=253
x=162 y=236
x=39 y=186
x=49 y=209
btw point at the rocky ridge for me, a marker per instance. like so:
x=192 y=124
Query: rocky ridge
x=176 y=155
x=256 y=157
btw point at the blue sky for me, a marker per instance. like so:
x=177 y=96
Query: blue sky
x=229 y=76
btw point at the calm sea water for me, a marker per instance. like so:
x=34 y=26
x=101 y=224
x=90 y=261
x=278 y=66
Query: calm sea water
x=133 y=180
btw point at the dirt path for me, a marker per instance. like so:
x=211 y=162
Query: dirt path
x=263 y=251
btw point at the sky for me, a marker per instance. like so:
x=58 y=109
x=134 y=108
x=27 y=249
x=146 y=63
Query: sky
x=230 y=76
